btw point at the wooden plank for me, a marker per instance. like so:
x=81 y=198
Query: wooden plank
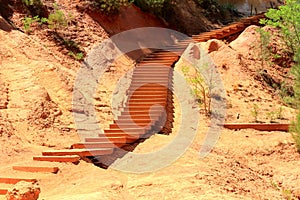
x=114 y=126
x=96 y=145
x=16 y=180
x=129 y=130
x=148 y=100
x=79 y=152
x=72 y=158
x=144 y=81
x=256 y=126
x=120 y=134
x=36 y=169
x=142 y=112
x=107 y=139
x=3 y=191
x=159 y=58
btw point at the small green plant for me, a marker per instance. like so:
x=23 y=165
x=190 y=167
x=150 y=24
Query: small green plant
x=77 y=56
x=255 y=112
x=275 y=185
x=279 y=113
x=199 y=89
x=272 y=116
x=58 y=19
x=287 y=193
x=264 y=52
x=28 y=21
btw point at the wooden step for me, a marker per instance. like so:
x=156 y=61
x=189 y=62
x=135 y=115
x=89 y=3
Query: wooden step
x=152 y=80
x=141 y=109
x=153 y=72
x=141 y=124
x=180 y=48
x=96 y=145
x=143 y=81
x=142 y=112
x=149 y=92
x=139 y=121
x=16 y=180
x=121 y=134
x=137 y=117
x=128 y=137
x=129 y=131
x=150 y=71
x=148 y=86
x=154 y=66
x=163 y=100
x=174 y=51
x=151 y=77
x=148 y=75
x=145 y=95
x=79 y=152
x=157 y=61
x=72 y=158
x=138 y=91
x=36 y=169
x=116 y=140
x=146 y=98
x=163 y=52
x=3 y=191
x=144 y=104
x=132 y=136
x=115 y=126
x=160 y=59
x=256 y=126
x=145 y=114
x=161 y=56
x=155 y=101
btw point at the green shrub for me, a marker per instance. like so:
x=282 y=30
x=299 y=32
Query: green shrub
x=264 y=52
x=287 y=20
x=28 y=21
x=295 y=131
x=77 y=56
x=255 y=112
x=58 y=19
x=198 y=88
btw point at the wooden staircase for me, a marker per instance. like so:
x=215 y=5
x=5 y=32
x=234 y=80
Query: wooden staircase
x=149 y=108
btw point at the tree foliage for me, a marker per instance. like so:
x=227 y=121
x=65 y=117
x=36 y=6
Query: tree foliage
x=110 y=6
x=287 y=19
x=153 y=6
x=36 y=7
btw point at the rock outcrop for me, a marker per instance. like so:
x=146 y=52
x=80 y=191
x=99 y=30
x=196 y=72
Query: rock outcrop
x=24 y=191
